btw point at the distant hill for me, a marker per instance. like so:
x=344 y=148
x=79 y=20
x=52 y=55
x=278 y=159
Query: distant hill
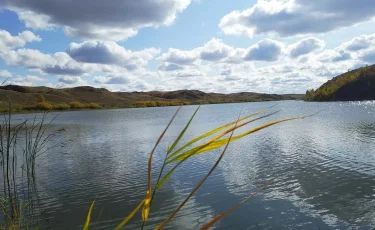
x=355 y=85
x=23 y=96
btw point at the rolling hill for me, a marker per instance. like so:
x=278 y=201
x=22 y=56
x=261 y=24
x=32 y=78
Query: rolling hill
x=23 y=96
x=355 y=85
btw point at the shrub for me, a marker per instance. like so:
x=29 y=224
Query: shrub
x=92 y=106
x=41 y=98
x=43 y=106
x=61 y=107
x=76 y=105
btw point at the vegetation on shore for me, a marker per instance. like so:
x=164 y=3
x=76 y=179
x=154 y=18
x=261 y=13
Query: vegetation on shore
x=357 y=84
x=20 y=146
x=25 y=98
x=43 y=105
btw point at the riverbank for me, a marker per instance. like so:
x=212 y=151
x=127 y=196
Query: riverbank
x=27 y=98
x=47 y=107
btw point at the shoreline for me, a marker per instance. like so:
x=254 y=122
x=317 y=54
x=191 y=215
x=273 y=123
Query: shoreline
x=131 y=107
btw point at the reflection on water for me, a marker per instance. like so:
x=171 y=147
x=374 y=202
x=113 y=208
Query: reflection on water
x=321 y=168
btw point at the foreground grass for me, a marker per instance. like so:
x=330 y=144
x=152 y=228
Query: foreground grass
x=178 y=155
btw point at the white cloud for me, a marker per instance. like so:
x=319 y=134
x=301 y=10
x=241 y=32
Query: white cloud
x=59 y=63
x=215 y=50
x=8 y=42
x=359 y=43
x=189 y=73
x=5 y=74
x=297 y=17
x=180 y=57
x=97 y=19
x=305 y=46
x=115 y=80
x=169 y=67
x=35 y=21
x=25 y=81
x=265 y=50
x=69 y=80
x=110 y=53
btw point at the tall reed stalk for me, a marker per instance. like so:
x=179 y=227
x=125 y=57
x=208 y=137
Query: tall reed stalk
x=20 y=146
x=219 y=138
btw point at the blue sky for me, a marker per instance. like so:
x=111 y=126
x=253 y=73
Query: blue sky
x=271 y=46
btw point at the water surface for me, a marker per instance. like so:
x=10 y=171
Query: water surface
x=322 y=168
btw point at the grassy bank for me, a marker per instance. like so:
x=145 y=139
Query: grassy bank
x=42 y=105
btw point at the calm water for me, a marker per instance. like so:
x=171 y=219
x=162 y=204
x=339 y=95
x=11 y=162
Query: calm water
x=322 y=168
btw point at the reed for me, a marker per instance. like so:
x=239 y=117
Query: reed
x=190 y=149
x=20 y=145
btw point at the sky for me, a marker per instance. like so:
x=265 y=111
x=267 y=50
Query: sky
x=266 y=46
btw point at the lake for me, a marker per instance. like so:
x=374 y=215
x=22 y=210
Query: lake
x=322 y=168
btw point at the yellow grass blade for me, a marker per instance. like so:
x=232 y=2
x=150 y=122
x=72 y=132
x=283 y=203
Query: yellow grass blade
x=126 y=220
x=87 y=223
x=219 y=143
x=213 y=132
x=162 y=225
x=170 y=149
x=146 y=208
x=199 y=149
x=217 y=218
x=194 y=151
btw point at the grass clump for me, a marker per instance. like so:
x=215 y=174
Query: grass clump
x=45 y=106
x=20 y=146
x=61 y=107
x=174 y=157
x=161 y=103
x=92 y=106
x=76 y=105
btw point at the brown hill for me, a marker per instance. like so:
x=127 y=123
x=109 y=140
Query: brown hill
x=24 y=95
x=355 y=85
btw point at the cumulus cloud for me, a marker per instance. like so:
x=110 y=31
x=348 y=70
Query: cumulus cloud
x=297 y=17
x=169 y=67
x=5 y=74
x=226 y=72
x=360 y=43
x=69 y=80
x=305 y=46
x=265 y=50
x=179 y=57
x=189 y=73
x=368 y=56
x=111 y=80
x=59 y=63
x=25 y=81
x=97 y=19
x=215 y=50
x=110 y=53
x=8 y=42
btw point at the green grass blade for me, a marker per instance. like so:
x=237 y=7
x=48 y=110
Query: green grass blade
x=219 y=143
x=166 y=177
x=212 y=132
x=214 y=141
x=162 y=224
x=87 y=223
x=126 y=220
x=182 y=132
x=217 y=218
